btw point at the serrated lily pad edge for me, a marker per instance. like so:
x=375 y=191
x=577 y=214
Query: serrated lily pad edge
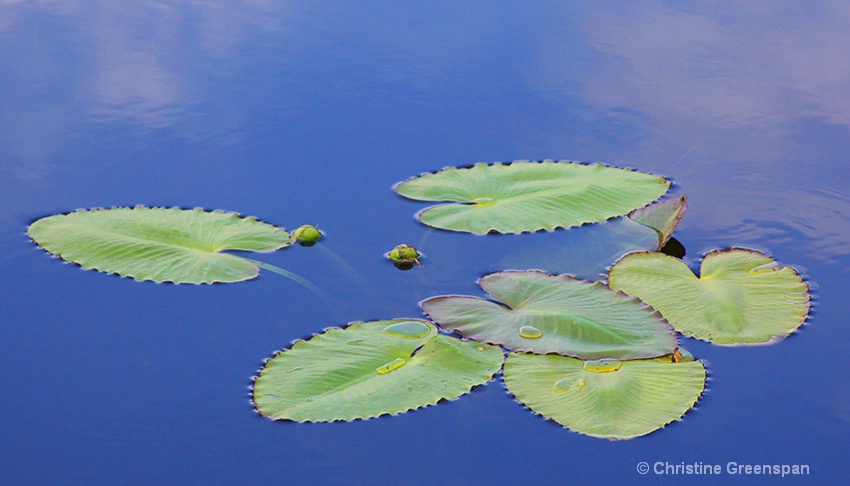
x=363 y=419
x=137 y=206
x=418 y=214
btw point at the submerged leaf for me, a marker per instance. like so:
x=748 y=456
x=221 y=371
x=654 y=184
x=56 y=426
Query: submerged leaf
x=607 y=399
x=544 y=313
x=741 y=296
x=662 y=216
x=159 y=244
x=530 y=196
x=370 y=369
x=585 y=252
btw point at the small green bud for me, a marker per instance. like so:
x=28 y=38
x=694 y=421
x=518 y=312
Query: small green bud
x=307 y=234
x=404 y=254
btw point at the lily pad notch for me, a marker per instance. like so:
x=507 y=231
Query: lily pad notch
x=159 y=244
x=741 y=296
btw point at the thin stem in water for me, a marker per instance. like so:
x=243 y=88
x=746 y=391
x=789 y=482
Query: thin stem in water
x=292 y=276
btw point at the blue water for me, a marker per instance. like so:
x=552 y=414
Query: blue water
x=308 y=112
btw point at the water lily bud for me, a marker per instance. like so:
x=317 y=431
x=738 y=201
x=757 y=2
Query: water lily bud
x=307 y=234
x=404 y=254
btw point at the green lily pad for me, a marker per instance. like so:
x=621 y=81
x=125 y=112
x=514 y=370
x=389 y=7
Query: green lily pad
x=543 y=313
x=370 y=369
x=662 y=216
x=530 y=196
x=608 y=399
x=741 y=296
x=159 y=244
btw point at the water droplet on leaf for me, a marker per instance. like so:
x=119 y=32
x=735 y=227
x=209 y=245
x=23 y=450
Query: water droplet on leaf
x=602 y=365
x=392 y=365
x=563 y=384
x=771 y=266
x=530 y=332
x=484 y=201
x=408 y=329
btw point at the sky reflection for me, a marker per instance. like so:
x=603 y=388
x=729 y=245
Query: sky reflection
x=738 y=99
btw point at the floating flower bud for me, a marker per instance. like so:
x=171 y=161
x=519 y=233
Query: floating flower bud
x=307 y=235
x=404 y=254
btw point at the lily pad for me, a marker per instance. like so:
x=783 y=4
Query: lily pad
x=741 y=296
x=159 y=244
x=370 y=369
x=608 y=399
x=530 y=196
x=543 y=313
